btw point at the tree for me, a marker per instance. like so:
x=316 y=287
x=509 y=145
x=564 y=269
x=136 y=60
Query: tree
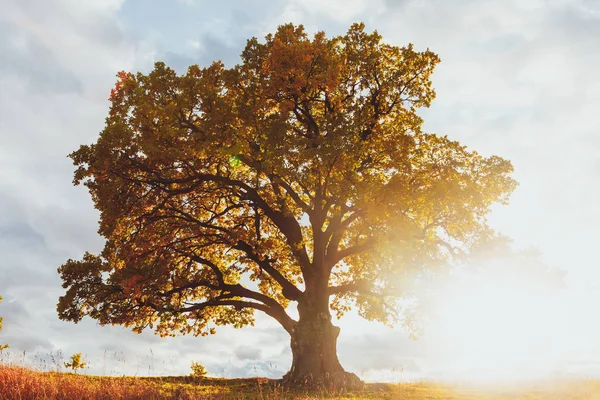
x=2 y=346
x=300 y=176
x=76 y=362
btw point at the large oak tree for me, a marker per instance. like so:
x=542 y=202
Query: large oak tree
x=300 y=176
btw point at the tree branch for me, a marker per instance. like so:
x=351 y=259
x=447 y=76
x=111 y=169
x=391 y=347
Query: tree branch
x=289 y=290
x=337 y=227
x=355 y=286
x=287 y=224
x=339 y=255
x=228 y=291
x=299 y=202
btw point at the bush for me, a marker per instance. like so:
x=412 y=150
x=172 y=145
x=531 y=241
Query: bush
x=76 y=362
x=198 y=370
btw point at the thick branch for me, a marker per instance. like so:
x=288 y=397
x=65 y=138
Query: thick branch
x=355 y=286
x=215 y=268
x=364 y=288
x=278 y=314
x=339 y=255
x=299 y=202
x=336 y=229
x=287 y=224
x=289 y=290
x=267 y=304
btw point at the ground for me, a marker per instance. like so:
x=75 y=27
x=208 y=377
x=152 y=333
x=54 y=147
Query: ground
x=21 y=383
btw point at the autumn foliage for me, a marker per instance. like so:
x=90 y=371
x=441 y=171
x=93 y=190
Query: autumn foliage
x=300 y=176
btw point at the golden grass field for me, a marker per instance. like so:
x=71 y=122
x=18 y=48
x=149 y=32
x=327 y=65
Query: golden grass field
x=21 y=383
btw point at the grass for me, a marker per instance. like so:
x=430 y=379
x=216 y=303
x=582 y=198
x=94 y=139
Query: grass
x=19 y=383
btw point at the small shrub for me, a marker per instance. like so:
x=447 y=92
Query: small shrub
x=76 y=362
x=198 y=370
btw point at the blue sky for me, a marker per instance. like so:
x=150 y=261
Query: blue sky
x=518 y=78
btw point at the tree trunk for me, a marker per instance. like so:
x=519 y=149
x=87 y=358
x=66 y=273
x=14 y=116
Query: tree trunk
x=314 y=351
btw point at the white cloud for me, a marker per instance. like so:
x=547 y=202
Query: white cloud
x=59 y=62
x=340 y=10
x=194 y=44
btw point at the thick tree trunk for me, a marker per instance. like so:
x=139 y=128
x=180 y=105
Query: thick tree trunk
x=314 y=351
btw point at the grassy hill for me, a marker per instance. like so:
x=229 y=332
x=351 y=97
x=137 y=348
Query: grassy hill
x=22 y=383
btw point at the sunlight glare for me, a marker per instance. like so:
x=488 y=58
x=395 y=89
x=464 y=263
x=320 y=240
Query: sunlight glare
x=494 y=327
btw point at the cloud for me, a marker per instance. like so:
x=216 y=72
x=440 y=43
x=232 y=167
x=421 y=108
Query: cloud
x=248 y=353
x=58 y=65
x=384 y=350
x=44 y=74
x=340 y=11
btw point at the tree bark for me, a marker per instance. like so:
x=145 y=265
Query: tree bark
x=314 y=350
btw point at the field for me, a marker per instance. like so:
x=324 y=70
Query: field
x=22 y=383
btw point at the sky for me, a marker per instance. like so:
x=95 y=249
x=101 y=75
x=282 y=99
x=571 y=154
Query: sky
x=518 y=78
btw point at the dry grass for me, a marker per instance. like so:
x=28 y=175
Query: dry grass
x=24 y=384
x=18 y=383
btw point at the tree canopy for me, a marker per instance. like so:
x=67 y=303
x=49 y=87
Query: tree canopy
x=301 y=175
